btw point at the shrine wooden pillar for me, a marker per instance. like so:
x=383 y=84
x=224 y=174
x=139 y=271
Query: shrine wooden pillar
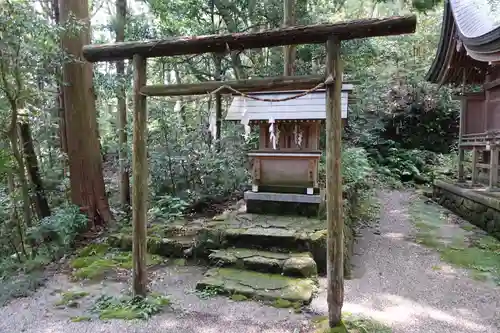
x=475 y=169
x=334 y=207
x=493 y=179
x=461 y=152
x=140 y=180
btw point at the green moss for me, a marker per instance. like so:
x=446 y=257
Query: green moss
x=238 y=297
x=70 y=296
x=351 y=324
x=468 y=227
x=258 y=285
x=93 y=250
x=428 y=239
x=179 y=262
x=95 y=269
x=478 y=253
x=78 y=319
x=282 y=303
x=96 y=260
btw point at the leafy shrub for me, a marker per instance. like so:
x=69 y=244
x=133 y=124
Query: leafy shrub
x=356 y=168
x=58 y=231
x=168 y=207
x=188 y=166
x=128 y=308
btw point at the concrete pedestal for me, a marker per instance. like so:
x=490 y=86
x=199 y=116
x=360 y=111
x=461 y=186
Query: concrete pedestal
x=283 y=203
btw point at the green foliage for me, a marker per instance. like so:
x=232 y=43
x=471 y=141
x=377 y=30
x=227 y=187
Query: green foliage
x=186 y=165
x=17 y=283
x=168 y=207
x=356 y=168
x=60 y=229
x=209 y=292
x=128 y=308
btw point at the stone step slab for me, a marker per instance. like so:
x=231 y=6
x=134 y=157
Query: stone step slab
x=290 y=264
x=256 y=285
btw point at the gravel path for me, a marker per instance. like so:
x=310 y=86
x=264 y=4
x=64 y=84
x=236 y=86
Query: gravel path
x=394 y=283
x=399 y=285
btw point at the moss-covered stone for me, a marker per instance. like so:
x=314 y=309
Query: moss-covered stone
x=166 y=247
x=300 y=266
x=285 y=304
x=291 y=264
x=91 y=265
x=272 y=233
x=258 y=285
x=479 y=208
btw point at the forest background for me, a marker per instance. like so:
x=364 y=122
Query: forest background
x=400 y=129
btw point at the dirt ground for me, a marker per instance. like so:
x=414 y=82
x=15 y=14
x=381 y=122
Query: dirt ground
x=397 y=281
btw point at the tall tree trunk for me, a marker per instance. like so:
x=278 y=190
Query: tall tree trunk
x=121 y=16
x=60 y=114
x=20 y=170
x=289 y=50
x=218 y=100
x=13 y=213
x=42 y=206
x=85 y=162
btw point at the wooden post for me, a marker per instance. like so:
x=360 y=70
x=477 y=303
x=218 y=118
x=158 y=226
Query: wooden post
x=140 y=180
x=493 y=167
x=461 y=158
x=461 y=130
x=475 y=170
x=334 y=208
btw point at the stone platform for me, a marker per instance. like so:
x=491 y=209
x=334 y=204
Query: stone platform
x=475 y=204
x=287 y=264
x=283 y=203
x=267 y=287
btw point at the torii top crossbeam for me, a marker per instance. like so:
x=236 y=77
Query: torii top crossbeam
x=310 y=34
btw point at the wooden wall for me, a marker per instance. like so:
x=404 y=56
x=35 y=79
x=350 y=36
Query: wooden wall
x=482 y=110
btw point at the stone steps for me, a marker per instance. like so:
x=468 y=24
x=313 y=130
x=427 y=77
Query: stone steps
x=256 y=285
x=290 y=264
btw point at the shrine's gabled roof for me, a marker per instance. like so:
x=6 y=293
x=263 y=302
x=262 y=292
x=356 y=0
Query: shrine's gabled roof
x=310 y=106
x=469 y=41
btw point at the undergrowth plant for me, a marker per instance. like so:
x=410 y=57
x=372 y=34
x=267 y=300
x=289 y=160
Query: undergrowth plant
x=128 y=308
x=56 y=233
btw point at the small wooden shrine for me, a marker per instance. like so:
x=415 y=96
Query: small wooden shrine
x=285 y=166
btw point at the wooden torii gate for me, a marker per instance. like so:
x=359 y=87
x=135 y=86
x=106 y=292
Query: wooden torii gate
x=331 y=34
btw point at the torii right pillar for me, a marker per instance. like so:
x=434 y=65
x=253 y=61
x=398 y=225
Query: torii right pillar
x=334 y=207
